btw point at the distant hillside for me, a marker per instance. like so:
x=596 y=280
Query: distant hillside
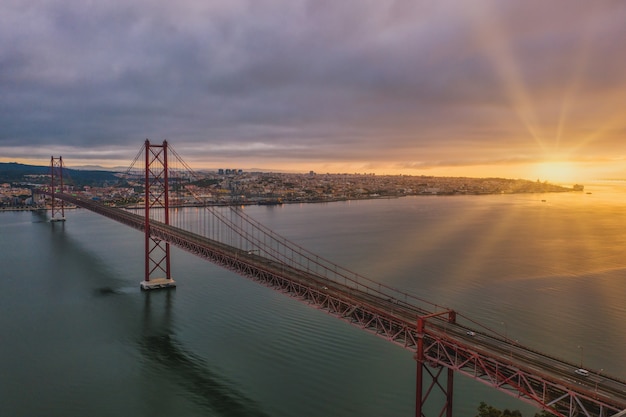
x=13 y=172
x=15 y=169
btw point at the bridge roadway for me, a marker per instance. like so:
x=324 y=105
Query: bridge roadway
x=529 y=375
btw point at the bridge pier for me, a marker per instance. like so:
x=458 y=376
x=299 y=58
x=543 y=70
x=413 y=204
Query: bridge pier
x=157 y=283
x=424 y=367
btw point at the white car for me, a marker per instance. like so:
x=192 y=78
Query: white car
x=471 y=333
x=582 y=372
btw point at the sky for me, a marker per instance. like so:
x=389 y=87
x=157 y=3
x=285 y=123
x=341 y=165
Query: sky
x=530 y=89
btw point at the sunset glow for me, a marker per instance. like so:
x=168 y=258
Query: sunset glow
x=557 y=171
x=496 y=88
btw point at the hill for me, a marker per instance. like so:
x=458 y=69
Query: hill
x=13 y=172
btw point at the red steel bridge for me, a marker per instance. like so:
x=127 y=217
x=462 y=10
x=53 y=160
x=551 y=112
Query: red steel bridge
x=444 y=341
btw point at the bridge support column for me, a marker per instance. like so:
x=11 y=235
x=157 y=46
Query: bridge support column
x=57 y=208
x=157 y=251
x=422 y=392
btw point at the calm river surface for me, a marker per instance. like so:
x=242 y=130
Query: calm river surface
x=78 y=337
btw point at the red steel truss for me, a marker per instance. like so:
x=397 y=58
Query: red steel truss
x=157 y=251
x=57 y=212
x=513 y=370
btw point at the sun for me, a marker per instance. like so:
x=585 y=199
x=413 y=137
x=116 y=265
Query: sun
x=556 y=171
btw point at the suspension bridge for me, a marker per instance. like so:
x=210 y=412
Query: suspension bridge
x=444 y=341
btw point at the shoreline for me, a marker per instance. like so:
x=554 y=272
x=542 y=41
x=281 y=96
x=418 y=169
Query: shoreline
x=280 y=203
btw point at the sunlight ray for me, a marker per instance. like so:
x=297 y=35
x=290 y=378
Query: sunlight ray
x=613 y=123
x=494 y=40
x=579 y=66
x=491 y=252
x=420 y=243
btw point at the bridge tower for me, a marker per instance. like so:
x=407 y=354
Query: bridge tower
x=57 y=212
x=156 y=196
x=423 y=367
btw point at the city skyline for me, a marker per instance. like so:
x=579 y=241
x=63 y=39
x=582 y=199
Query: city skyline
x=516 y=89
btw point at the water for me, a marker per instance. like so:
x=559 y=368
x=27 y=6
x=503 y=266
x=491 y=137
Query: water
x=79 y=338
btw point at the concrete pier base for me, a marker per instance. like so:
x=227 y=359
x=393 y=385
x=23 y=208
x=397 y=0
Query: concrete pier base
x=157 y=283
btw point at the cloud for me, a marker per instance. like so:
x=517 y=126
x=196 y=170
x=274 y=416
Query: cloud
x=357 y=81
